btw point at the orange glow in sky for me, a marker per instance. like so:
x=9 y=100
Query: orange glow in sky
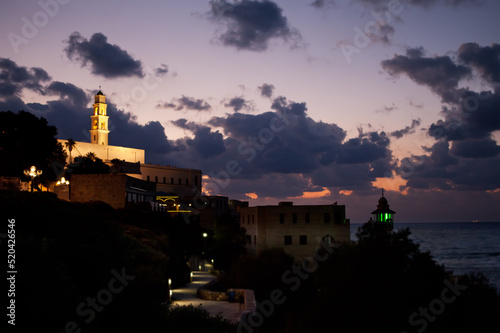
x=390 y=184
x=312 y=195
x=252 y=195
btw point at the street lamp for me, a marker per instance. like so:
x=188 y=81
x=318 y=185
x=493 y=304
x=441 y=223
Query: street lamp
x=204 y=242
x=32 y=172
x=63 y=181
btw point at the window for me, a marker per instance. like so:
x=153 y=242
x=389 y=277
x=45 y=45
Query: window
x=156 y=179
x=164 y=180
x=308 y=218
x=148 y=178
x=253 y=219
x=303 y=239
x=294 y=218
x=196 y=180
x=327 y=217
x=187 y=182
x=172 y=180
x=288 y=240
x=337 y=218
x=282 y=218
x=180 y=182
x=254 y=239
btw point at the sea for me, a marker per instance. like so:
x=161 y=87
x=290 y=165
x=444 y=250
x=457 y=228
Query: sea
x=462 y=247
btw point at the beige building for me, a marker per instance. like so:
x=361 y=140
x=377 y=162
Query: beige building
x=299 y=230
x=99 y=139
x=179 y=181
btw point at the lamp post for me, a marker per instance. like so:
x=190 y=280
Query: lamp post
x=204 y=242
x=32 y=172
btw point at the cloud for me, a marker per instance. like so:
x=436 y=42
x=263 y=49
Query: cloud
x=161 y=70
x=14 y=78
x=439 y=73
x=188 y=103
x=387 y=109
x=251 y=24
x=70 y=92
x=266 y=90
x=105 y=59
x=320 y=4
x=407 y=130
x=486 y=60
x=465 y=156
x=238 y=104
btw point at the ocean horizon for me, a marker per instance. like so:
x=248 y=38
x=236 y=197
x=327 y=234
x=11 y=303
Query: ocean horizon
x=462 y=247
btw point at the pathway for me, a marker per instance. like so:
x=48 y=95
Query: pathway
x=187 y=296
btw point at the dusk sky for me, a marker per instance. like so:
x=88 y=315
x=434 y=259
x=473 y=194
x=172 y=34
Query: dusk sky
x=307 y=101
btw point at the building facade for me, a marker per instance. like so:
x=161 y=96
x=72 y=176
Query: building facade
x=297 y=229
x=182 y=182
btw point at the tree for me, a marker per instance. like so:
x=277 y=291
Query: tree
x=27 y=140
x=89 y=164
x=70 y=144
x=382 y=281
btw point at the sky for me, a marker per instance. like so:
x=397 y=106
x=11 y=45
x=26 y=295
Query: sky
x=313 y=102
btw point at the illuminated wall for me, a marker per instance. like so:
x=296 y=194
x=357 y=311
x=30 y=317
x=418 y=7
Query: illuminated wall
x=302 y=226
x=105 y=152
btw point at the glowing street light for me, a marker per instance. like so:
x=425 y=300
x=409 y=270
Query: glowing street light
x=204 y=242
x=63 y=181
x=33 y=173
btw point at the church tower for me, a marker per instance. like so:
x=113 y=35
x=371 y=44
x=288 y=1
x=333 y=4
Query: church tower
x=99 y=126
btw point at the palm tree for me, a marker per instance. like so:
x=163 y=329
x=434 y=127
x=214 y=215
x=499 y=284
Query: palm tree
x=91 y=155
x=70 y=143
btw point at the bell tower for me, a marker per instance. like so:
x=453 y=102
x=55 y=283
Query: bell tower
x=99 y=120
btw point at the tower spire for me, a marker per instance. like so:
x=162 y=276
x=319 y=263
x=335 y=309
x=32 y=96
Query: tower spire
x=99 y=125
x=382 y=192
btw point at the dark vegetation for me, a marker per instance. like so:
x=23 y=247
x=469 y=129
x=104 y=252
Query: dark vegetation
x=381 y=283
x=67 y=252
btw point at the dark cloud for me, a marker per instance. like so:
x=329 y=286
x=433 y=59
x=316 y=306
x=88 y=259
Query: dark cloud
x=185 y=102
x=407 y=130
x=320 y=4
x=480 y=148
x=440 y=74
x=266 y=90
x=70 y=92
x=251 y=24
x=105 y=59
x=238 y=104
x=161 y=70
x=486 y=60
x=14 y=78
x=469 y=120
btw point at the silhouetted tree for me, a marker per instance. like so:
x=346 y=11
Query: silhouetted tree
x=89 y=164
x=382 y=281
x=27 y=140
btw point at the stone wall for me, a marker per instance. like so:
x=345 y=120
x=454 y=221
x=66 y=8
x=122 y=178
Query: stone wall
x=249 y=303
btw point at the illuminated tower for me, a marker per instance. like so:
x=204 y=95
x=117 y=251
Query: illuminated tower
x=99 y=126
x=383 y=213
